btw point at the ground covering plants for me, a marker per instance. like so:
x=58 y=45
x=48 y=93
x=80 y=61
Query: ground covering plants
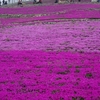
x=52 y=54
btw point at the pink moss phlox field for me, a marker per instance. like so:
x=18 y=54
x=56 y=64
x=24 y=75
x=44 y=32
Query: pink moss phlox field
x=53 y=36
x=55 y=60
x=80 y=11
x=77 y=15
x=48 y=8
x=38 y=75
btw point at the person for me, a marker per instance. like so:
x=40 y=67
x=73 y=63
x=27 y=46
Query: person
x=56 y=1
x=71 y=0
x=20 y=2
x=38 y=1
x=3 y=2
x=34 y=1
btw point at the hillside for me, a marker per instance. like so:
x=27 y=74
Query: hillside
x=50 y=52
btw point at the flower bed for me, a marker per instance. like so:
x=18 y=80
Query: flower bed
x=22 y=15
x=47 y=9
x=38 y=75
x=83 y=33
x=55 y=60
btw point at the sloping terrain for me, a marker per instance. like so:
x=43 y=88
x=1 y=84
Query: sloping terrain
x=50 y=54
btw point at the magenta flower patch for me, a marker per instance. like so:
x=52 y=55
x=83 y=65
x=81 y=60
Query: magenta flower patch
x=55 y=56
x=35 y=75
